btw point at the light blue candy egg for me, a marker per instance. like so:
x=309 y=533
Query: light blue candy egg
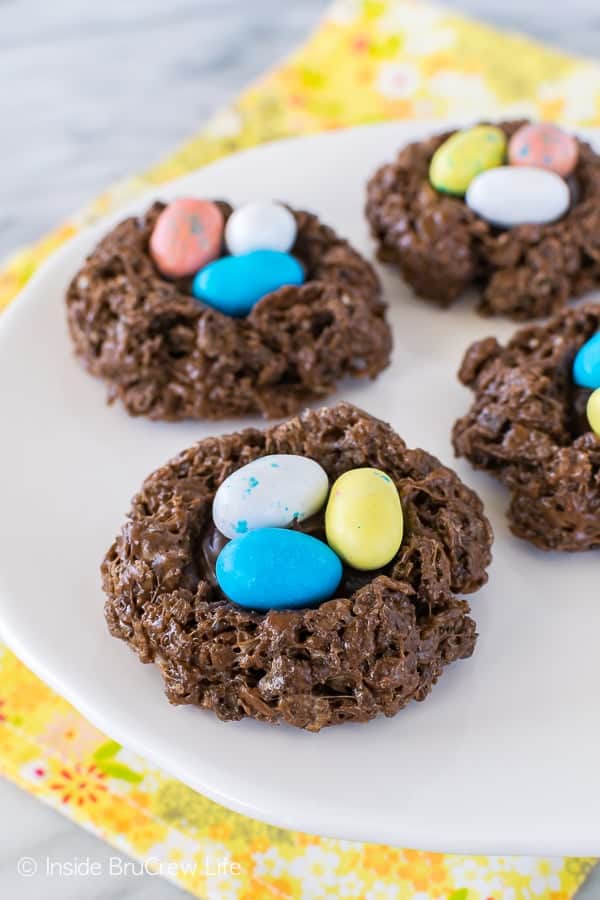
x=234 y=284
x=275 y=568
x=586 y=368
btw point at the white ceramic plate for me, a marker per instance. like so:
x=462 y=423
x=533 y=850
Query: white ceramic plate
x=502 y=757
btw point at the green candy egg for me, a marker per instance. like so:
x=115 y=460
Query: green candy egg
x=464 y=155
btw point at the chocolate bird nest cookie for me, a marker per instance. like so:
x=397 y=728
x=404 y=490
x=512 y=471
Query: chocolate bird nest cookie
x=442 y=246
x=528 y=428
x=382 y=640
x=167 y=355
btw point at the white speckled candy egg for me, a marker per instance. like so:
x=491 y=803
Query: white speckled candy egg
x=270 y=492
x=260 y=226
x=518 y=195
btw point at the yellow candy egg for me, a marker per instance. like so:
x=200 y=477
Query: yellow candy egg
x=593 y=412
x=464 y=155
x=364 y=523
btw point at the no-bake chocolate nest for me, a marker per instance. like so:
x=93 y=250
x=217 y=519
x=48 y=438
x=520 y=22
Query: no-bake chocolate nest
x=527 y=427
x=442 y=247
x=166 y=355
x=383 y=641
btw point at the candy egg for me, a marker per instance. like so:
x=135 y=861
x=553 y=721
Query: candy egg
x=234 y=284
x=260 y=226
x=464 y=155
x=586 y=366
x=510 y=196
x=545 y=146
x=593 y=412
x=274 y=568
x=363 y=520
x=187 y=235
x=272 y=491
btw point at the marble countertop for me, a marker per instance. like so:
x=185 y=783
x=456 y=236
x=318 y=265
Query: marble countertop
x=87 y=89
x=87 y=97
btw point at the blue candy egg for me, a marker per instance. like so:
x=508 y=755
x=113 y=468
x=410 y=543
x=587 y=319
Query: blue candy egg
x=234 y=284
x=275 y=568
x=586 y=368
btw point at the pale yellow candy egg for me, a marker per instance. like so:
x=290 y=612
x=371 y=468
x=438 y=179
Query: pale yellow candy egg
x=464 y=155
x=364 y=523
x=593 y=412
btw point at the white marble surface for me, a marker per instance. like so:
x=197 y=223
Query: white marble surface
x=92 y=92
x=88 y=94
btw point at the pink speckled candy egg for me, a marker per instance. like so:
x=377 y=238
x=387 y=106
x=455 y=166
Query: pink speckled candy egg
x=187 y=235
x=544 y=146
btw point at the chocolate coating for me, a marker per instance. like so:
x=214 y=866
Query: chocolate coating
x=442 y=247
x=375 y=646
x=166 y=355
x=527 y=427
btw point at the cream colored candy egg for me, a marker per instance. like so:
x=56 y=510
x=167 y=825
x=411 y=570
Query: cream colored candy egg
x=260 y=226
x=364 y=523
x=593 y=412
x=517 y=195
x=464 y=155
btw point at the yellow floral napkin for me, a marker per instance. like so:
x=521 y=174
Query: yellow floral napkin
x=369 y=60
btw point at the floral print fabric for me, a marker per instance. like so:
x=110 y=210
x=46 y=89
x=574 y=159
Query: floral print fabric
x=370 y=60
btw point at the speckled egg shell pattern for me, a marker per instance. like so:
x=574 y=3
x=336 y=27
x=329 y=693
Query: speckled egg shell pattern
x=167 y=356
x=442 y=248
x=272 y=491
x=383 y=640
